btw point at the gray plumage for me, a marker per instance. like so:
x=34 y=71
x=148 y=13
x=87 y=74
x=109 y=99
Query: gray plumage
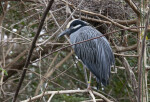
x=96 y=54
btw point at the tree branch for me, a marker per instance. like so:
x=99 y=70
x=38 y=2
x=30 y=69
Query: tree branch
x=54 y=92
x=18 y=63
x=125 y=55
x=140 y=74
x=133 y=6
x=123 y=22
x=131 y=76
x=66 y=92
x=32 y=48
x=102 y=16
x=123 y=49
x=20 y=0
x=102 y=96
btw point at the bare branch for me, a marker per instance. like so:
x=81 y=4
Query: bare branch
x=140 y=74
x=66 y=92
x=133 y=6
x=123 y=49
x=102 y=96
x=123 y=22
x=20 y=0
x=131 y=75
x=110 y=20
x=125 y=55
x=50 y=72
x=55 y=92
x=97 y=100
x=49 y=100
x=93 y=97
x=32 y=48
x=102 y=16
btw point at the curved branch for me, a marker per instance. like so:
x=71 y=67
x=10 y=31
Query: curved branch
x=133 y=6
x=102 y=16
x=123 y=22
x=66 y=92
x=110 y=20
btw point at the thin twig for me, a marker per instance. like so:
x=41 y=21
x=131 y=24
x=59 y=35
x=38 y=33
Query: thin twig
x=45 y=79
x=85 y=41
x=63 y=24
x=123 y=22
x=32 y=48
x=102 y=96
x=12 y=32
x=102 y=16
x=49 y=100
x=124 y=55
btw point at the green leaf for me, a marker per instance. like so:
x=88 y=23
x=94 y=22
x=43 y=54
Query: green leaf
x=5 y=72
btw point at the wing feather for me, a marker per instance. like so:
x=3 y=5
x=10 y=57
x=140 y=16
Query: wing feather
x=95 y=54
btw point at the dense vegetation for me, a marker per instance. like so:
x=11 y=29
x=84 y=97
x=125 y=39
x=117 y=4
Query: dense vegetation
x=61 y=70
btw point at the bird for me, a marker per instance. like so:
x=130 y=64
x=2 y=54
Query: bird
x=96 y=54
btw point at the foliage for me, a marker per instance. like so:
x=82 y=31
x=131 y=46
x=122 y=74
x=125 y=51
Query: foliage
x=20 y=21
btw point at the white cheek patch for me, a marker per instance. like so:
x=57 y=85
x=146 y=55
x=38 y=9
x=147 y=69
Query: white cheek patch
x=68 y=25
x=77 y=26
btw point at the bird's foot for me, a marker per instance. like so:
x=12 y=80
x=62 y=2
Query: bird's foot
x=89 y=85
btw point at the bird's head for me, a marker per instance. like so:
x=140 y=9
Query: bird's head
x=73 y=26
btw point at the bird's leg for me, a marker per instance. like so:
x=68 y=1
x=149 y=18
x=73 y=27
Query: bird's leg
x=89 y=82
x=86 y=78
x=85 y=74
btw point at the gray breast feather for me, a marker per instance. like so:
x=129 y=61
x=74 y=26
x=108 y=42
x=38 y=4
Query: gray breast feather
x=95 y=54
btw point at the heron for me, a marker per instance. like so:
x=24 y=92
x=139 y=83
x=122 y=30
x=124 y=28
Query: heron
x=95 y=54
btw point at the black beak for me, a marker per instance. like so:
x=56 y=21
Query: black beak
x=66 y=32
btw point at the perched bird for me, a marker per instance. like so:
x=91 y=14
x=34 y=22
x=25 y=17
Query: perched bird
x=95 y=54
